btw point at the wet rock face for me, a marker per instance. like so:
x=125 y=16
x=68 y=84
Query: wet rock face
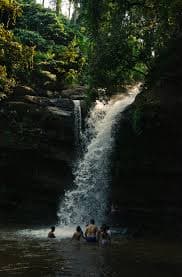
x=147 y=160
x=147 y=171
x=37 y=146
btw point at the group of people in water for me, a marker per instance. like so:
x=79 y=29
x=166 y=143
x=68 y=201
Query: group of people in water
x=92 y=233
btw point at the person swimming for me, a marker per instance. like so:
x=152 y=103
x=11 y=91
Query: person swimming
x=78 y=234
x=91 y=232
x=104 y=236
x=51 y=234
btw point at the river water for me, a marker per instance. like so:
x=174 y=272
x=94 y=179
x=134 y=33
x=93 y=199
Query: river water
x=30 y=253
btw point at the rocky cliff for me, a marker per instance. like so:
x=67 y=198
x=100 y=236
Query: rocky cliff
x=147 y=172
x=37 y=148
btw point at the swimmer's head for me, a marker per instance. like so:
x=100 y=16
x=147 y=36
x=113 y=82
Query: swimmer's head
x=78 y=229
x=53 y=228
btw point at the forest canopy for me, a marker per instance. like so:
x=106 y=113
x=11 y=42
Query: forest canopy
x=104 y=44
x=128 y=36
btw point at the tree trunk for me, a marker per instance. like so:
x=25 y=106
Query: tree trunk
x=58 y=6
x=43 y=2
x=76 y=11
x=69 y=9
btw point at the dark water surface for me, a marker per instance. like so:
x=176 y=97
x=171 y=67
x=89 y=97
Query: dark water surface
x=33 y=256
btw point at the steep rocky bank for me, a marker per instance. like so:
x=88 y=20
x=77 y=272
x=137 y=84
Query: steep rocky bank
x=147 y=160
x=37 y=148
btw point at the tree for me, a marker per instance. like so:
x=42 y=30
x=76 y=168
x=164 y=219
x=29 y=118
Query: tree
x=75 y=14
x=58 y=6
x=127 y=36
x=69 y=8
x=14 y=57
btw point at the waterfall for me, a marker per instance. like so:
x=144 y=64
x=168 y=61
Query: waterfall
x=78 y=121
x=88 y=196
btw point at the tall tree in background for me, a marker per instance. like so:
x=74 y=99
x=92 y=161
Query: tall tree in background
x=69 y=8
x=58 y=6
x=75 y=10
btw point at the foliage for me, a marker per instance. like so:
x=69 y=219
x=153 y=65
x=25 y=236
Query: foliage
x=167 y=69
x=32 y=38
x=110 y=44
x=127 y=37
x=60 y=46
x=9 y=11
x=37 y=19
x=14 y=57
x=13 y=54
x=6 y=84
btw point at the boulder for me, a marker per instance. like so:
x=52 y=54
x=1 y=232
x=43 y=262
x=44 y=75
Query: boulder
x=75 y=93
x=42 y=101
x=20 y=91
x=48 y=76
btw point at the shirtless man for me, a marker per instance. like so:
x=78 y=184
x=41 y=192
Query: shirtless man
x=91 y=232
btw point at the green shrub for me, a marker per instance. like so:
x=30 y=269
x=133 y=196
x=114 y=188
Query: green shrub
x=31 y=38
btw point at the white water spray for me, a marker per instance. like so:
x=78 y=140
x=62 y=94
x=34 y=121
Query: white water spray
x=78 y=121
x=88 y=198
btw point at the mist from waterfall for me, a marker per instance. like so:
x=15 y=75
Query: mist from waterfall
x=88 y=197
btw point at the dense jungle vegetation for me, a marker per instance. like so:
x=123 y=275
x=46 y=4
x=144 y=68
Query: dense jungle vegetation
x=35 y=40
x=105 y=43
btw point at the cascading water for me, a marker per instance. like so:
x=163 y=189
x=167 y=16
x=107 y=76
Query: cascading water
x=78 y=121
x=88 y=198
